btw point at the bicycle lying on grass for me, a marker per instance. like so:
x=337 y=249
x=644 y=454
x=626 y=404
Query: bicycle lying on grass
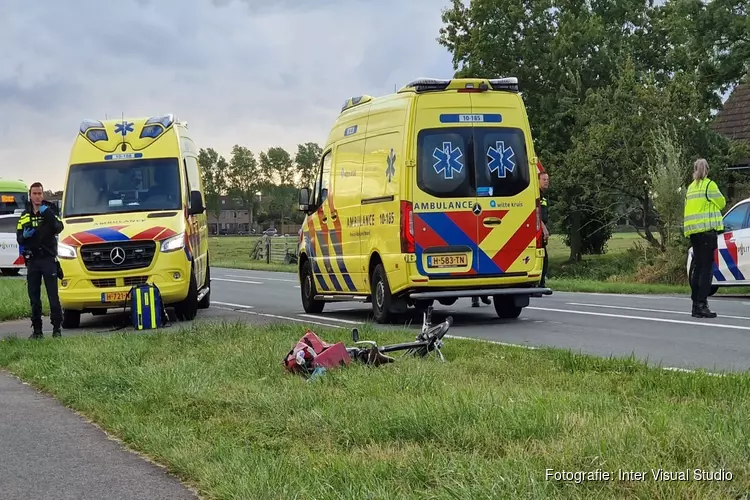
x=312 y=354
x=429 y=339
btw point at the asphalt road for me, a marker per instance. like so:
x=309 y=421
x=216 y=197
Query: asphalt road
x=658 y=329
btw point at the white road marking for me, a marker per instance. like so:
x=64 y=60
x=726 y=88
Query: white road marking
x=260 y=278
x=702 y=324
x=648 y=310
x=279 y=317
x=625 y=295
x=238 y=281
x=349 y=322
x=533 y=348
x=229 y=304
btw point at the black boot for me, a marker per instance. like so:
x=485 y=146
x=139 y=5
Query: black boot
x=37 y=330
x=56 y=330
x=702 y=310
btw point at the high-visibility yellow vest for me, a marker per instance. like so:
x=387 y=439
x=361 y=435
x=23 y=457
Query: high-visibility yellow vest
x=703 y=205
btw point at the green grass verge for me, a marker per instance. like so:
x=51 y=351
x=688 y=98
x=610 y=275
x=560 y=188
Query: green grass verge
x=14 y=299
x=214 y=404
x=253 y=265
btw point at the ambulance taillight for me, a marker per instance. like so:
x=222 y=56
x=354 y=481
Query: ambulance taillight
x=408 y=243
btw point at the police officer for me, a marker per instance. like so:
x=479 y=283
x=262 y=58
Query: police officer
x=36 y=233
x=544 y=186
x=702 y=223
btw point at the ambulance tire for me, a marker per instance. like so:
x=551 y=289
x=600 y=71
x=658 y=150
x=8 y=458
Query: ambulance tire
x=308 y=291
x=505 y=308
x=384 y=307
x=187 y=310
x=71 y=318
x=713 y=291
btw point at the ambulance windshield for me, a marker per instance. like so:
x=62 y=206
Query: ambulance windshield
x=469 y=162
x=110 y=187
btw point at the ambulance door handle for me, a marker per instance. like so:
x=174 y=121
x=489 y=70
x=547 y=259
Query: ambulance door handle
x=491 y=221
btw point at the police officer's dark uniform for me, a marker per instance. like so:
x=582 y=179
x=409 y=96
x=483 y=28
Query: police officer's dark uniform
x=545 y=220
x=36 y=233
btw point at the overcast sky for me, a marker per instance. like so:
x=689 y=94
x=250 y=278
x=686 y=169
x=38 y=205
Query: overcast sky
x=260 y=73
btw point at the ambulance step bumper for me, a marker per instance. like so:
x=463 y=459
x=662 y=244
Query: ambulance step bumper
x=481 y=293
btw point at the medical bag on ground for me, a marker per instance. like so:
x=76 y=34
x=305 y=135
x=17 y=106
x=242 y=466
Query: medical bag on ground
x=146 y=307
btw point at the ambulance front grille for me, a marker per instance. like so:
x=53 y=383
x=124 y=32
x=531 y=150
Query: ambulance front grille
x=118 y=255
x=115 y=282
x=105 y=283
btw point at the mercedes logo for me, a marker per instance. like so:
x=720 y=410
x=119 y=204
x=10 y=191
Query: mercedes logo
x=477 y=209
x=117 y=256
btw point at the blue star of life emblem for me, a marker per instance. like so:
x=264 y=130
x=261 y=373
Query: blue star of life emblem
x=123 y=128
x=500 y=159
x=447 y=160
x=391 y=161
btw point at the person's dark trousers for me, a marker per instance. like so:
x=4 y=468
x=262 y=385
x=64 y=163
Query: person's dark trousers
x=544 y=267
x=704 y=246
x=38 y=270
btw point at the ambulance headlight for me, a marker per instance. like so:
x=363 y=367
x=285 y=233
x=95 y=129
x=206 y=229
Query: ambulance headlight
x=176 y=242
x=66 y=251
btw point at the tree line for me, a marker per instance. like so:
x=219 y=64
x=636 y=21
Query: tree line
x=620 y=95
x=265 y=185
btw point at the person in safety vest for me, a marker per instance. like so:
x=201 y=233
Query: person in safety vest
x=702 y=223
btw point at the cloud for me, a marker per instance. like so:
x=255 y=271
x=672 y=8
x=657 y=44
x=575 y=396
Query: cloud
x=251 y=72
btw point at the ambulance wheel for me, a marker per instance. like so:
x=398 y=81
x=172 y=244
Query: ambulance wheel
x=71 y=318
x=188 y=308
x=505 y=308
x=308 y=291
x=713 y=291
x=384 y=307
x=205 y=302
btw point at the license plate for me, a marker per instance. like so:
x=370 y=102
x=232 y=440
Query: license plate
x=114 y=296
x=446 y=261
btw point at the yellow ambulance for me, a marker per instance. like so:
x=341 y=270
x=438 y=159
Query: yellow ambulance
x=134 y=213
x=430 y=193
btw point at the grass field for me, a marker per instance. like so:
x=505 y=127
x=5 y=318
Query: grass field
x=14 y=299
x=214 y=404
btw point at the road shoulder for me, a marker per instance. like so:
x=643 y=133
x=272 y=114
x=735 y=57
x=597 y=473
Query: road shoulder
x=49 y=451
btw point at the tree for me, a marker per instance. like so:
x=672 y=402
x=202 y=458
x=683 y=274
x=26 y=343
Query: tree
x=277 y=167
x=307 y=161
x=568 y=56
x=244 y=178
x=213 y=172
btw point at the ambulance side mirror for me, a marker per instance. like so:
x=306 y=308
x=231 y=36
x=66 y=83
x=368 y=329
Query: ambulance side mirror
x=196 y=203
x=304 y=199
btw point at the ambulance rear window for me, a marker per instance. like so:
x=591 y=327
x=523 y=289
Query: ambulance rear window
x=469 y=162
x=444 y=163
x=504 y=166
